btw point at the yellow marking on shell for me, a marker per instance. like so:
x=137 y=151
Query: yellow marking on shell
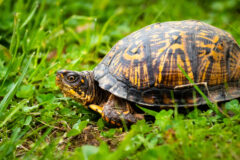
x=138 y=42
x=203 y=34
x=116 y=65
x=160 y=69
x=61 y=75
x=82 y=80
x=134 y=50
x=136 y=35
x=218 y=74
x=139 y=75
x=120 y=70
x=187 y=62
x=135 y=76
x=220 y=46
x=154 y=36
x=135 y=56
x=148 y=28
x=156 y=26
x=215 y=39
x=205 y=71
x=173 y=75
x=120 y=42
x=145 y=75
x=162 y=61
x=156 y=41
x=179 y=73
x=235 y=65
x=110 y=55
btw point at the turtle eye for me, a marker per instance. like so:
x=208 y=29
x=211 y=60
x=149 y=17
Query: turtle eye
x=72 y=78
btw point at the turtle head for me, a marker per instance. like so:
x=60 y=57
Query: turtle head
x=77 y=85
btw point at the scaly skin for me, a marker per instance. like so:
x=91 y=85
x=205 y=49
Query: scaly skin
x=81 y=87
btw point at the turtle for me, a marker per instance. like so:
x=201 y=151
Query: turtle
x=144 y=68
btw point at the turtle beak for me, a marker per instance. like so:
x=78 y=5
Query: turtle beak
x=59 y=76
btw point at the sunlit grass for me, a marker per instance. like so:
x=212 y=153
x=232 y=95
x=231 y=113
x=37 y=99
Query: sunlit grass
x=36 y=122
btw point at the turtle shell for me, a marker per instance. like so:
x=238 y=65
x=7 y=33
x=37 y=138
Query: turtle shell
x=143 y=66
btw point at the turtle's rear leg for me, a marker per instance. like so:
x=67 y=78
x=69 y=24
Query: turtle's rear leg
x=117 y=110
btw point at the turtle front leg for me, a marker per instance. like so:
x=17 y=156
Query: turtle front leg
x=117 y=110
x=96 y=108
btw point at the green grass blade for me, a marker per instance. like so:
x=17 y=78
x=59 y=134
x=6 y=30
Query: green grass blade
x=209 y=103
x=13 y=112
x=148 y=111
x=30 y=15
x=37 y=143
x=13 y=90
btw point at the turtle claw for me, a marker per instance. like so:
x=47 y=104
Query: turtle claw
x=117 y=118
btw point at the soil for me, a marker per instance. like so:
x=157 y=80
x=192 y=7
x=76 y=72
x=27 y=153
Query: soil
x=91 y=135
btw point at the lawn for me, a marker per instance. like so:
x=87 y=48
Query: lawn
x=37 y=38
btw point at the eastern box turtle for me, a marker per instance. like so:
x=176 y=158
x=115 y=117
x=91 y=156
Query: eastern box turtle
x=142 y=69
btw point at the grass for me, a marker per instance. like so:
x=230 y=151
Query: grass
x=36 y=122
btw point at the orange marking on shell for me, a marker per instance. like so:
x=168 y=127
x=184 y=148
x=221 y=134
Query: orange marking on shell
x=181 y=76
x=215 y=39
x=204 y=72
x=173 y=76
x=82 y=80
x=218 y=73
x=145 y=75
x=135 y=76
x=235 y=67
x=160 y=68
x=220 y=46
x=187 y=62
x=139 y=75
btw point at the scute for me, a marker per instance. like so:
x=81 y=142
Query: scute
x=143 y=67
